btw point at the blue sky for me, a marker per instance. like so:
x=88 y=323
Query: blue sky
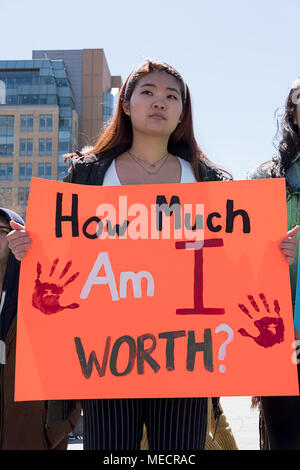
x=238 y=57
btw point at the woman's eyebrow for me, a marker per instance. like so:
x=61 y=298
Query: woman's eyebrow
x=168 y=88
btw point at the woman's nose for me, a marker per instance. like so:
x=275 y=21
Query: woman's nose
x=159 y=104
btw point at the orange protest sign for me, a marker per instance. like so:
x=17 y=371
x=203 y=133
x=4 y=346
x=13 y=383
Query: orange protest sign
x=176 y=290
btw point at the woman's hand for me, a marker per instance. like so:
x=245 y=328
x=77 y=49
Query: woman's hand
x=288 y=245
x=18 y=240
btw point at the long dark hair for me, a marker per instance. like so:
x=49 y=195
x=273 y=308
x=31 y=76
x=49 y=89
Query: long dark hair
x=287 y=139
x=118 y=133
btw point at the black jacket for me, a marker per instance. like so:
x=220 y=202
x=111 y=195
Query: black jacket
x=90 y=169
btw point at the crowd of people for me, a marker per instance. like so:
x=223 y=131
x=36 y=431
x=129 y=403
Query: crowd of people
x=149 y=140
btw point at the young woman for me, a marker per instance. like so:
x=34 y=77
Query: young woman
x=280 y=415
x=149 y=140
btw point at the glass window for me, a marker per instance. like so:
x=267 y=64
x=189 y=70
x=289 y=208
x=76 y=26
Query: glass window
x=65 y=124
x=48 y=146
x=49 y=122
x=57 y=64
x=47 y=80
x=26 y=147
x=65 y=112
x=9 y=172
x=23 y=194
x=45 y=170
x=41 y=170
x=2 y=172
x=26 y=123
x=63 y=147
x=22 y=147
x=46 y=122
x=64 y=101
x=45 y=147
x=43 y=99
x=51 y=99
x=7 y=150
x=48 y=170
x=42 y=122
x=29 y=99
x=62 y=171
x=42 y=147
x=6 y=135
x=21 y=172
x=25 y=171
x=7 y=125
x=108 y=102
x=62 y=82
x=15 y=80
x=29 y=146
x=6 y=172
x=2 y=92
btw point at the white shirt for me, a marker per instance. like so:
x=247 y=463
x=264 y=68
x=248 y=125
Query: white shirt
x=111 y=177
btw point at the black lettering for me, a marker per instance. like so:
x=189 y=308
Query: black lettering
x=114 y=355
x=144 y=354
x=87 y=223
x=231 y=214
x=87 y=367
x=194 y=347
x=170 y=336
x=210 y=225
x=59 y=218
x=162 y=205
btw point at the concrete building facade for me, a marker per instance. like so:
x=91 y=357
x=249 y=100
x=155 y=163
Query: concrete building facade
x=51 y=105
x=92 y=84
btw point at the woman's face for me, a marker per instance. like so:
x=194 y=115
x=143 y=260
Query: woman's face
x=155 y=106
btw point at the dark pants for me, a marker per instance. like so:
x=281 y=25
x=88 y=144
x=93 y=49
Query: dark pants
x=282 y=419
x=172 y=423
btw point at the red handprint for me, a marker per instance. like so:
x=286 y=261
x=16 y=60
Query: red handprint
x=271 y=328
x=46 y=295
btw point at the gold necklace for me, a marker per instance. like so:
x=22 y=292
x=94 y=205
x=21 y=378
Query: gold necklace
x=139 y=161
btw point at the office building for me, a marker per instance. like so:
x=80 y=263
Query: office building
x=92 y=84
x=49 y=106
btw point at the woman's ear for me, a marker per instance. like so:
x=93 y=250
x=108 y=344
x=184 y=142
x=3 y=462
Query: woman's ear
x=181 y=117
x=126 y=107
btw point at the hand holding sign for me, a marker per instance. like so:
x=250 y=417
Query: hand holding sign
x=19 y=240
x=288 y=245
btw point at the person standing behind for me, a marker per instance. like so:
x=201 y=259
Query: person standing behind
x=279 y=415
x=22 y=424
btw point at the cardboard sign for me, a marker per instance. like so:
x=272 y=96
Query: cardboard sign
x=168 y=290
